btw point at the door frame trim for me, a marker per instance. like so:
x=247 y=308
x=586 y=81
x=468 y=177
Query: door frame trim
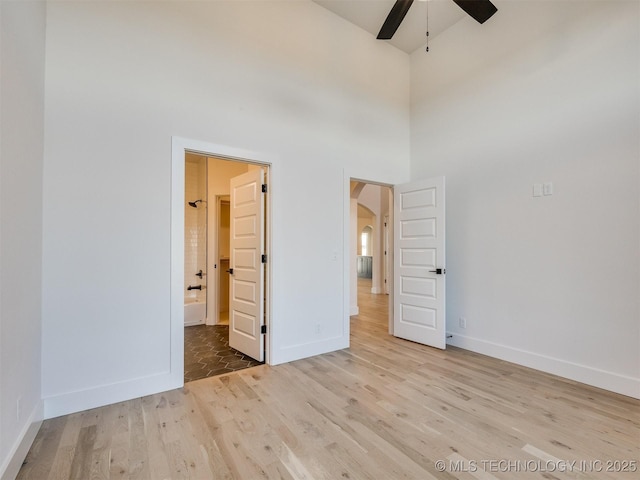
x=180 y=146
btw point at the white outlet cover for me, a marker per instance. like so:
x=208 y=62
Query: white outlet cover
x=548 y=188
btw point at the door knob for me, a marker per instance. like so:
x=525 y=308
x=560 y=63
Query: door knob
x=438 y=271
x=230 y=271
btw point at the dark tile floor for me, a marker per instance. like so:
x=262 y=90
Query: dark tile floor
x=207 y=353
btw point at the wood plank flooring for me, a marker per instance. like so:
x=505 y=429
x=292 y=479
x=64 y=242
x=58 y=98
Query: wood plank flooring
x=382 y=409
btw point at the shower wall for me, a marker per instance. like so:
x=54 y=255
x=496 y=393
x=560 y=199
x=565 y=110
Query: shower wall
x=195 y=231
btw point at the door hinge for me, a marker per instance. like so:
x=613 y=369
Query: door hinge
x=264 y=259
x=264 y=188
x=263 y=329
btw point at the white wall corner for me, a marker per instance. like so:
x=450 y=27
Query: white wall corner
x=611 y=381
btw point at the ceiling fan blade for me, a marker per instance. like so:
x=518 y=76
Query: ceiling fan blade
x=394 y=19
x=480 y=10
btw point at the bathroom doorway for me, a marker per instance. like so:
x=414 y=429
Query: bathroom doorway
x=195 y=240
x=210 y=277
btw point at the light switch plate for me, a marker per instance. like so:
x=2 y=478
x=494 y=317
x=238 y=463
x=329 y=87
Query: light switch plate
x=537 y=189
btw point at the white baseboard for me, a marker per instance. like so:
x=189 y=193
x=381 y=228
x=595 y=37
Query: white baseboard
x=376 y=290
x=297 y=352
x=99 y=396
x=613 y=382
x=11 y=465
x=193 y=324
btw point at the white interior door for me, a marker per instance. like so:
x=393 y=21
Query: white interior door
x=419 y=262
x=246 y=275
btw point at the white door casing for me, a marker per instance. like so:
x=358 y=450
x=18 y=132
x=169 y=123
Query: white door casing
x=385 y=252
x=419 y=250
x=246 y=279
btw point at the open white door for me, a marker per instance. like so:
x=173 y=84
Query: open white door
x=419 y=262
x=246 y=284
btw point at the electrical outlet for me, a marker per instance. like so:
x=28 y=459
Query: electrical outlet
x=462 y=321
x=18 y=408
x=547 y=188
x=318 y=329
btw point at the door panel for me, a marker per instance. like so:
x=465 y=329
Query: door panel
x=246 y=285
x=419 y=249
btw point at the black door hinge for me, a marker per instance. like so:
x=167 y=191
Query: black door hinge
x=264 y=188
x=264 y=259
x=263 y=329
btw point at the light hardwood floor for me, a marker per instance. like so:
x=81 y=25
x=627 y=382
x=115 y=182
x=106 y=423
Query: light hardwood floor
x=382 y=409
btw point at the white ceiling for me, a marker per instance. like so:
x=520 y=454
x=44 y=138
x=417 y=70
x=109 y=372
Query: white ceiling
x=371 y=14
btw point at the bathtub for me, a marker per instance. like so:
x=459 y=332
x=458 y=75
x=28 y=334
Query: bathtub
x=194 y=312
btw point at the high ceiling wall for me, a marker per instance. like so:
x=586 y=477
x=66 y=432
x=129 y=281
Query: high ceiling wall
x=544 y=92
x=289 y=80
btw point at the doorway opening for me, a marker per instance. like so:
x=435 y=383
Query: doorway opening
x=412 y=238
x=370 y=252
x=224 y=268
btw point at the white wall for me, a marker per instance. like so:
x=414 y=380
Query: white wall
x=542 y=92
x=354 y=309
x=22 y=49
x=286 y=78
